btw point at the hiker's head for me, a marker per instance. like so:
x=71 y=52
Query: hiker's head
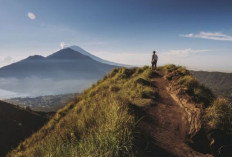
x=154 y=52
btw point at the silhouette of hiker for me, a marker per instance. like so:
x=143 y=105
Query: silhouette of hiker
x=154 y=60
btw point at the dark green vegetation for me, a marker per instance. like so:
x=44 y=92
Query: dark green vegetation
x=44 y=103
x=16 y=124
x=220 y=83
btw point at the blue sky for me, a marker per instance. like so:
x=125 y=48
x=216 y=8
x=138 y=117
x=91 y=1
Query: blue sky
x=193 y=33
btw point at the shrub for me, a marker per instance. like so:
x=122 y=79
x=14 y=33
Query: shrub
x=148 y=93
x=188 y=83
x=172 y=71
x=143 y=82
x=113 y=72
x=125 y=73
x=203 y=95
x=148 y=73
x=114 y=88
x=169 y=68
x=219 y=115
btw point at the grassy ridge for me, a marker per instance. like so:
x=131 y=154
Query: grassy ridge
x=185 y=83
x=217 y=111
x=98 y=123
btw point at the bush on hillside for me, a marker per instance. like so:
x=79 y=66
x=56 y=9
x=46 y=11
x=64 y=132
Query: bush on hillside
x=199 y=92
x=172 y=71
x=219 y=115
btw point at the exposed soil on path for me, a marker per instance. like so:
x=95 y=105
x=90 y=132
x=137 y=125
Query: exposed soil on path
x=168 y=125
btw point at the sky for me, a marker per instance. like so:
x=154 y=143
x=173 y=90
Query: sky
x=192 y=33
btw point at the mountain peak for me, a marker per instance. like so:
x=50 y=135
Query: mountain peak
x=35 y=57
x=82 y=51
x=67 y=53
x=76 y=48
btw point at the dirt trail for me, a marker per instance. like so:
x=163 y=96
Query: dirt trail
x=171 y=122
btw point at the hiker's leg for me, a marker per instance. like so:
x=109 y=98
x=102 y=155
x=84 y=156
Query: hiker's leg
x=155 y=64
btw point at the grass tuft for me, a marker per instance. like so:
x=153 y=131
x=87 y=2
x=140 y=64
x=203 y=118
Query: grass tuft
x=219 y=115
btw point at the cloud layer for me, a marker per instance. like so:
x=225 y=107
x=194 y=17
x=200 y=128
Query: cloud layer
x=31 y=15
x=209 y=35
x=34 y=86
x=5 y=60
x=183 y=52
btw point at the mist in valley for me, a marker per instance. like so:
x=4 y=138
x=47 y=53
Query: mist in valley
x=35 y=86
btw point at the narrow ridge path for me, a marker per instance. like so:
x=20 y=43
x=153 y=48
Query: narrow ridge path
x=170 y=125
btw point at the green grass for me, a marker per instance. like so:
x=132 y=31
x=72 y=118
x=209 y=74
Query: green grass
x=217 y=111
x=99 y=122
x=219 y=115
x=185 y=83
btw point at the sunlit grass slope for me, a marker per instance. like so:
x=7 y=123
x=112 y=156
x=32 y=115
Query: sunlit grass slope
x=217 y=111
x=98 y=123
x=102 y=120
x=181 y=79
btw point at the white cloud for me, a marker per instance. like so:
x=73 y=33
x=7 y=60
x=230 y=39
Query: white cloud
x=6 y=60
x=129 y=58
x=209 y=35
x=31 y=15
x=184 y=52
x=62 y=45
x=96 y=43
x=144 y=58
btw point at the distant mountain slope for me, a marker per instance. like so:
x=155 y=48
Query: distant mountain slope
x=65 y=63
x=65 y=71
x=16 y=124
x=82 y=51
x=220 y=83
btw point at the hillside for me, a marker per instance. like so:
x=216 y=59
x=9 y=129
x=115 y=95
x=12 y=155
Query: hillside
x=17 y=124
x=43 y=103
x=220 y=83
x=130 y=112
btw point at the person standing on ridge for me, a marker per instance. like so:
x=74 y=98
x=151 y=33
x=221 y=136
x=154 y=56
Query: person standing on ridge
x=154 y=60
